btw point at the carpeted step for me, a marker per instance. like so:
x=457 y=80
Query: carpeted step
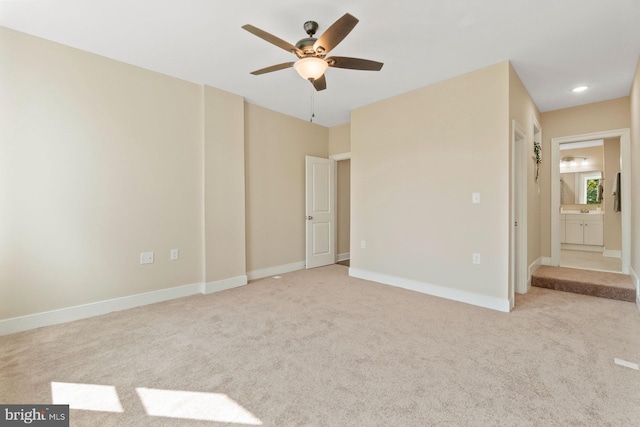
x=586 y=282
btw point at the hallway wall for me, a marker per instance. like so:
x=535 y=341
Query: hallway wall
x=415 y=216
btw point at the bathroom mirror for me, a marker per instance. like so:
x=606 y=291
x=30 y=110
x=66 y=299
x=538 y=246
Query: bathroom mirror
x=579 y=188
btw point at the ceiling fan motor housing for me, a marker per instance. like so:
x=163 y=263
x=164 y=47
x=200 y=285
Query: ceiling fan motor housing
x=306 y=45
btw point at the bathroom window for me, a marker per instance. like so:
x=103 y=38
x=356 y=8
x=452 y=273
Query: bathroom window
x=592 y=191
x=588 y=187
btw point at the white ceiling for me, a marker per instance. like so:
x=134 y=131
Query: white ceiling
x=554 y=45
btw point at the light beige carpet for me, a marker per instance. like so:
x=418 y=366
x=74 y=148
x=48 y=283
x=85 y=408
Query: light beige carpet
x=319 y=348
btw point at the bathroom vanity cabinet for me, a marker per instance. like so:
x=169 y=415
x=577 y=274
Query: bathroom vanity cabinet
x=582 y=229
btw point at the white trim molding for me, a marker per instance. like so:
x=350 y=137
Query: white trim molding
x=341 y=156
x=223 y=285
x=584 y=248
x=278 y=269
x=636 y=282
x=612 y=253
x=54 y=317
x=532 y=269
x=345 y=256
x=494 y=303
x=518 y=211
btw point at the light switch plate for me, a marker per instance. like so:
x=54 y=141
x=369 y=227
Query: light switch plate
x=475 y=197
x=146 y=258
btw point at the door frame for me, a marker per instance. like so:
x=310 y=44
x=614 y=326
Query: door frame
x=625 y=167
x=341 y=156
x=337 y=158
x=518 y=213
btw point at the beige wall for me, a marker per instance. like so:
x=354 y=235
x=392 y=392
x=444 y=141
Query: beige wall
x=524 y=111
x=224 y=185
x=635 y=174
x=597 y=117
x=340 y=139
x=595 y=156
x=343 y=229
x=275 y=149
x=416 y=159
x=102 y=160
x=99 y=161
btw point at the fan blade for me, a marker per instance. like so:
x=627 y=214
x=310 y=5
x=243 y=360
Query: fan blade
x=335 y=34
x=272 y=68
x=273 y=39
x=354 y=63
x=320 y=84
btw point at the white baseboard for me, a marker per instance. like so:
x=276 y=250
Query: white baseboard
x=54 y=317
x=485 y=301
x=223 y=285
x=546 y=260
x=278 y=269
x=636 y=282
x=611 y=253
x=345 y=256
x=532 y=269
x=584 y=248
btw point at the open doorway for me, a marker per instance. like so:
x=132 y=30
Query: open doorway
x=590 y=224
x=590 y=221
x=343 y=208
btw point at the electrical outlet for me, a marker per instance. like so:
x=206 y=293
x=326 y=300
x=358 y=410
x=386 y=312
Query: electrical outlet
x=476 y=258
x=363 y=244
x=175 y=254
x=146 y=258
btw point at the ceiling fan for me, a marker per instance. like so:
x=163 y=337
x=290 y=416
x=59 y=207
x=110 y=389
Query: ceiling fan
x=311 y=51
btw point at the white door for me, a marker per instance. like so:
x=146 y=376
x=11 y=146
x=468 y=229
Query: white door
x=320 y=211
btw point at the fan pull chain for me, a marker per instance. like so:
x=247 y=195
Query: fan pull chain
x=313 y=104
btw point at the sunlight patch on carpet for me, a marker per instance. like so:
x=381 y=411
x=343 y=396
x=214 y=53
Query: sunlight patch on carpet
x=194 y=406
x=626 y=364
x=90 y=397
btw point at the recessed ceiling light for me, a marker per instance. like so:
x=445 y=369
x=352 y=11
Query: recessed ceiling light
x=579 y=89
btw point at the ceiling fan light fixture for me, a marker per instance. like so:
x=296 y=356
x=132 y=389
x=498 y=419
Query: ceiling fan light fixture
x=310 y=68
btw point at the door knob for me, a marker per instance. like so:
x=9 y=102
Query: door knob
x=309 y=217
